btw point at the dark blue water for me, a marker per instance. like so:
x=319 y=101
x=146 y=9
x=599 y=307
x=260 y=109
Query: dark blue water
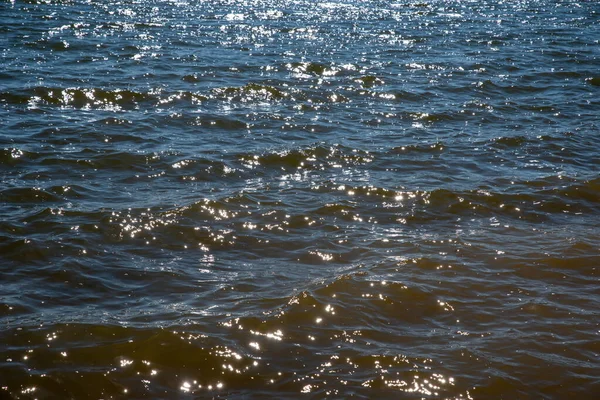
x=286 y=199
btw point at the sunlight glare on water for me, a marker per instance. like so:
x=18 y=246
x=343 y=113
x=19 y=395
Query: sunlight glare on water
x=292 y=198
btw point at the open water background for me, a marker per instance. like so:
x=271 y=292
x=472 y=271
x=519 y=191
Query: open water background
x=288 y=199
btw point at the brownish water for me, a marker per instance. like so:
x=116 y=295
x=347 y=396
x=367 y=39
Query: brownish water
x=289 y=199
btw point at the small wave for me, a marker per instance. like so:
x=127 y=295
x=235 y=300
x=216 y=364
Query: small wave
x=510 y=141
x=98 y=98
x=88 y=98
x=125 y=161
x=250 y=93
x=126 y=99
x=13 y=156
x=28 y=195
x=419 y=206
x=594 y=81
x=368 y=81
x=587 y=191
x=433 y=148
x=27 y=251
x=313 y=68
x=316 y=157
x=320 y=316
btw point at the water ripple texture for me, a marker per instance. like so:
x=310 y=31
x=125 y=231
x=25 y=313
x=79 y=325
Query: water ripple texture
x=288 y=199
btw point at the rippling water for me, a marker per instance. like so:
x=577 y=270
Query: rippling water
x=295 y=198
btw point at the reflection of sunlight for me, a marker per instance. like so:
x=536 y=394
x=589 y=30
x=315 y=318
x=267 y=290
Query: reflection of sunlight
x=28 y=390
x=185 y=387
x=255 y=345
x=323 y=256
x=125 y=363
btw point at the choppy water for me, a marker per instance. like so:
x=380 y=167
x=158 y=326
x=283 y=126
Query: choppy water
x=286 y=199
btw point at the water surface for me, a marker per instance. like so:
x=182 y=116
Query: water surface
x=299 y=199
